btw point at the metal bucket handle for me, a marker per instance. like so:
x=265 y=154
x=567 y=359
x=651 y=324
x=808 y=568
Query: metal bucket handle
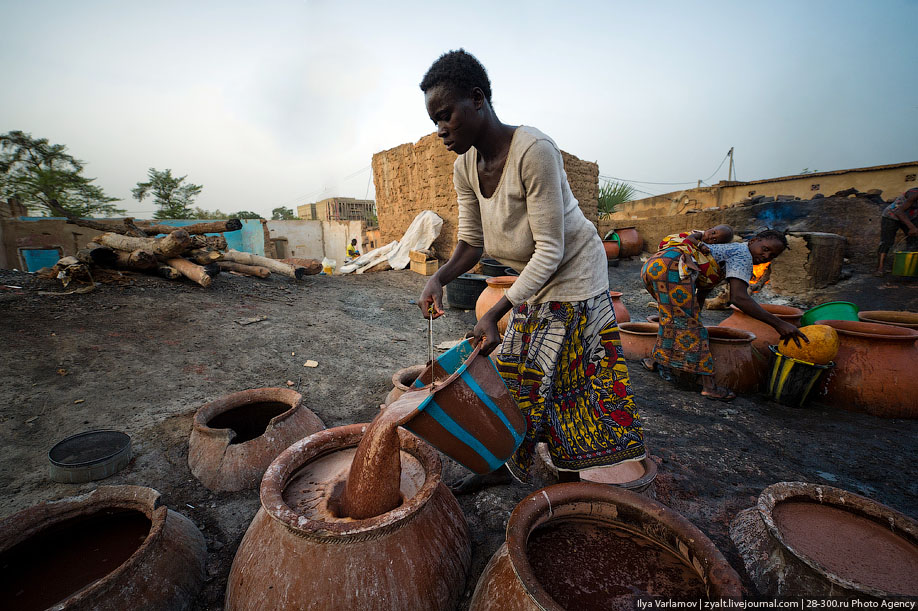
x=434 y=387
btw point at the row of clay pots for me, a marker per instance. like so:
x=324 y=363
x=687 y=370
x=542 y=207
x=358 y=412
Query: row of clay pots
x=629 y=244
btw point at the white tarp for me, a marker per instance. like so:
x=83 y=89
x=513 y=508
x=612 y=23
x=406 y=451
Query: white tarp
x=423 y=230
x=368 y=260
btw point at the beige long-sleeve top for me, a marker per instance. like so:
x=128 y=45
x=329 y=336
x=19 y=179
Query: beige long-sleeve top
x=532 y=223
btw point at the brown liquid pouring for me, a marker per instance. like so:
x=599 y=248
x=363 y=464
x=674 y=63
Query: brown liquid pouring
x=373 y=484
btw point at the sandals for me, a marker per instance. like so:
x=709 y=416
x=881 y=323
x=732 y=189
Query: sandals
x=719 y=394
x=649 y=364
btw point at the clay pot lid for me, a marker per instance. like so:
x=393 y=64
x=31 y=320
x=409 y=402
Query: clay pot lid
x=781 y=311
x=729 y=335
x=581 y=499
x=871 y=330
x=501 y=282
x=327 y=441
x=899 y=318
x=897 y=523
x=639 y=328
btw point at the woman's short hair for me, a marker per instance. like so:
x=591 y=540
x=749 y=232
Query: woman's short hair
x=773 y=234
x=458 y=69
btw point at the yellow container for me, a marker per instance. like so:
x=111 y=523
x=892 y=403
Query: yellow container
x=905 y=264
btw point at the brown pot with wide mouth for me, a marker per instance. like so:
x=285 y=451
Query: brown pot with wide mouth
x=618 y=306
x=899 y=318
x=402 y=380
x=511 y=582
x=235 y=438
x=297 y=554
x=497 y=287
x=115 y=548
x=638 y=339
x=736 y=365
x=765 y=334
x=876 y=370
x=805 y=539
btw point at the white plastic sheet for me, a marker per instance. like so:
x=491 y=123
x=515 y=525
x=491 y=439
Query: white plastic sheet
x=369 y=259
x=423 y=230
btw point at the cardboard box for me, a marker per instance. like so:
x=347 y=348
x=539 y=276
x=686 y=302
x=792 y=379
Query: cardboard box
x=425 y=268
x=416 y=255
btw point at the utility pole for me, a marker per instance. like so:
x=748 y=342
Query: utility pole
x=730 y=169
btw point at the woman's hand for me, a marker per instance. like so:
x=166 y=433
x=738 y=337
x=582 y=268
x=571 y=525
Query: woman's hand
x=486 y=332
x=432 y=295
x=789 y=332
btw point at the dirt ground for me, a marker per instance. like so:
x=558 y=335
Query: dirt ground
x=143 y=356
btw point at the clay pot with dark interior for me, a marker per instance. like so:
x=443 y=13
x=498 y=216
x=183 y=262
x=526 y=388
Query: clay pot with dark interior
x=402 y=380
x=638 y=339
x=765 y=335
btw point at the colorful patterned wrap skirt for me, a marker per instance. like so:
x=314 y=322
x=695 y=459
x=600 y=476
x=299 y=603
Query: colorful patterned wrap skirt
x=682 y=341
x=563 y=364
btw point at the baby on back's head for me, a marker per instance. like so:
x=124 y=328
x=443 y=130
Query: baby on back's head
x=719 y=234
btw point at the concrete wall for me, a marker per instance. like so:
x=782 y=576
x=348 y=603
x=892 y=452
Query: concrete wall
x=411 y=178
x=891 y=180
x=316 y=239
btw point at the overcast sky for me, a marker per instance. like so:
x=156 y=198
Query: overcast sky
x=282 y=102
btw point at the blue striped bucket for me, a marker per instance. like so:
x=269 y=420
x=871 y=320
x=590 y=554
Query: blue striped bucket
x=469 y=415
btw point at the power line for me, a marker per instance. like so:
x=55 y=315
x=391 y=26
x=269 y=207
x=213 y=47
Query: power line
x=686 y=182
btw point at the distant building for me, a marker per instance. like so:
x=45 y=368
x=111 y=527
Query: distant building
x=339 y=209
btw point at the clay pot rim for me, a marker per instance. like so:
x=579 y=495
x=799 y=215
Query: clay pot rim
x=788 y=313
x=614 y=294
x=33 y=520
x=636 y=485
x=865 y=316
x=541 y=506
x=501 y=282
x=327 y=441
x=902 y=525
x=214 y=408
x=871 y=330
x=739 y=336
x=639 y=328
x=406 y=371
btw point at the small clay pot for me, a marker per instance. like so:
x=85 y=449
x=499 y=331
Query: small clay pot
x=612 y=249
x=414 y=557
x=638 y=339
x=510 y=583
x=765 y=335
x=784 y=564
x=909 y=320
x=874 y=370
x=621 y=312
x=115 y=548
x=402 y=380
x=497 y=286
x=235 y=438
x=736 y=365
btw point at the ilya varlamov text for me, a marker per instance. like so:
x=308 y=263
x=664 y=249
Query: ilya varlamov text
x=790 y=603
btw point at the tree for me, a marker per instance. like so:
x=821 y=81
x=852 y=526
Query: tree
x=173 y=198
x=37 y=171
x=201 y=213
x=614 y=193
x=245 y=214
x=282 y=214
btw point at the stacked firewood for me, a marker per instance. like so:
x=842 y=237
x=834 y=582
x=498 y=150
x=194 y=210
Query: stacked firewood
x=179 y=252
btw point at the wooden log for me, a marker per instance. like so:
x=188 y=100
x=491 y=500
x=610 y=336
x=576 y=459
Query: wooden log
x=96 y=254
x=248 y=270
x=90 y=224
x=170 y=246
x=190 y=270
x=133 y=230
x=212 y=242
x=212 y=269
x=204 y=256
x=313 y=266
x=139 y=259
x=167 y=271
x=198 y=228
x=272 y=264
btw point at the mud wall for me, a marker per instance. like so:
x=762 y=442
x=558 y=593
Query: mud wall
x=316 y=239
x=411 y=178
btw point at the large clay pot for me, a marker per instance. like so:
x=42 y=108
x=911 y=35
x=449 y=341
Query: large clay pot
x=235 y=438
x=612 y=249
x=638 y=339
x=909 y=320
x=115 y=548
x=402 y=380
x=765 y=335
x=621 y=312
x=497 y=286
x=876 y=370
x=736 y=365
x=838 y=544
x=297 y=555
x=511 y=582
x=631 y=243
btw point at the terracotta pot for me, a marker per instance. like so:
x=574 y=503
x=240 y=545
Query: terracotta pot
x=621 y=312
x=293 y=557
x=875 y=370
x=909 y=320
x=235 y=438
x=786 y=554
x=736 y=365
x=631 y=243
x=497 y=286
x=114 y=548
x=638 y=339
x=510 y=582
x=612 y=249
x=765 y=335
x=402 y=381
